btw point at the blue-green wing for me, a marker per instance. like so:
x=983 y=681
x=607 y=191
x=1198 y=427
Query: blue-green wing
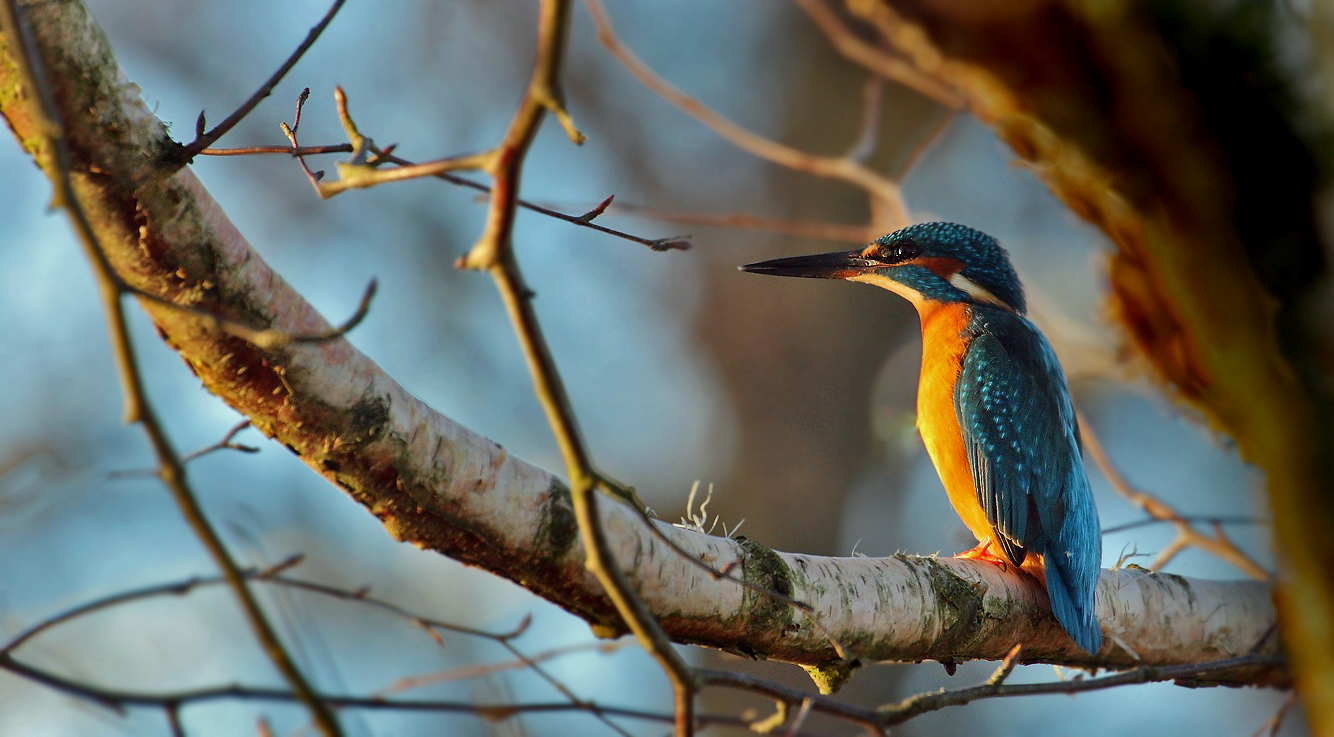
x=1021 y=437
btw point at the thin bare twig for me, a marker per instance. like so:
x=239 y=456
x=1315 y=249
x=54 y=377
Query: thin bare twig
x=290 y=132
x=493 y=252
x=791 y=696
x=891 y=715
x=597 y=210
x=430 y=625
x=800 y=719
x=363 y=171
x=177 y=588
x=186 y=586
x=385 y=155
x=1217 y=544
x=469 y=672
x=1274 y=723
x=262 y=337
x=1191 y=518
x=336 y=148
x=670 y=243
x=923 y=145
x=273 y=576
x=797 y=228
x=879 y=720
x=204 y=140
x=1007 y=665
x=224 y=444
x=57 y=164
x=119 y=699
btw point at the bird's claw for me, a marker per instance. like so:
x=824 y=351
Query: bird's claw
x=981 y=552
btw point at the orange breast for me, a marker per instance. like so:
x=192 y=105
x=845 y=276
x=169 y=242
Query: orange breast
x=942 y=354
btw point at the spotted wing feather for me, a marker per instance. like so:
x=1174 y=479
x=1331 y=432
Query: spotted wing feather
x=1022 y=443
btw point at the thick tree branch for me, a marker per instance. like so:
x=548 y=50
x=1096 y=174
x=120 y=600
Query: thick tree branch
x=445 y=488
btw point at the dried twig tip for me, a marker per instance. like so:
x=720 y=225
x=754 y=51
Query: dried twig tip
x=1007 y=665
x=598 y=210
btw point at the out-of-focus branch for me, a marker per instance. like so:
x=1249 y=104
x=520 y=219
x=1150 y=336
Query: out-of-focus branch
x=1218 y=544
x=883 y=64
x=1274 y=723
x=886 y=195
x=469 y=672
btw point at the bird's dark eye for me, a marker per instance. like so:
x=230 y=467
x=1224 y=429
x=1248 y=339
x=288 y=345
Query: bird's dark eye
x=902 y=251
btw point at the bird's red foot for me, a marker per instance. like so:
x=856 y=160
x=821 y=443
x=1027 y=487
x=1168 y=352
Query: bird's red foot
x=981 y=552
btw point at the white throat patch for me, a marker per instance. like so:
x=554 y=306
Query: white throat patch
x=975 y=290
x=903 y=290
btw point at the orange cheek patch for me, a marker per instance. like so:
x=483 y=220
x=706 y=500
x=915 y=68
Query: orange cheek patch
x=941 y=266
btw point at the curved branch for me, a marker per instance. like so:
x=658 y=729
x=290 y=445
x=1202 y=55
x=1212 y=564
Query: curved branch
x=1217 y=544
x=884 y=192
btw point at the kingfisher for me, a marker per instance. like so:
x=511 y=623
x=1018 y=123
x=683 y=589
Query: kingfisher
x=993 y=407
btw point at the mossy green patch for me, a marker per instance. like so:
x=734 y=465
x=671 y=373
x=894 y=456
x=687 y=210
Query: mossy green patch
x=558 y=530
x=960 y=605
x=767 y=570
x=832 y=675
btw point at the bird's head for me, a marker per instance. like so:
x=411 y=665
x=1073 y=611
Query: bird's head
x=925 y=263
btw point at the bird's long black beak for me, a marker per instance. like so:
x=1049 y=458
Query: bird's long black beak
x=840 y=265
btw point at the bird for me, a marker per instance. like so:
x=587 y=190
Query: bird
x=993 y=407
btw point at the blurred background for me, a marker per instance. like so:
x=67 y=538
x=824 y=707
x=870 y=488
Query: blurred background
x=794 y=399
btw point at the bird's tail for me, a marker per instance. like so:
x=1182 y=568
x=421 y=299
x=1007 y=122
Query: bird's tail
x=1072 y=568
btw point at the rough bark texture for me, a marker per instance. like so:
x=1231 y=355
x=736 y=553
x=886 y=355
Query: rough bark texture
x=445 y=488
